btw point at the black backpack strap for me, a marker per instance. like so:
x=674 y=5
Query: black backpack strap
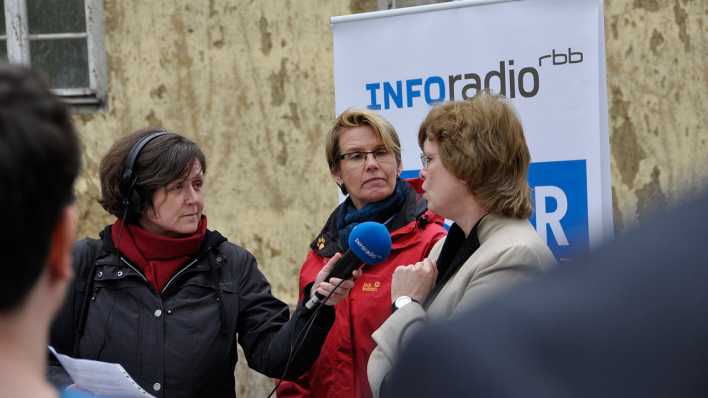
x=217 y=262
x=85 y=275
x=215 y=273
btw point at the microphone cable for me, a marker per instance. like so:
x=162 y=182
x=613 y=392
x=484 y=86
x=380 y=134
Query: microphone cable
x=124 y=221
x=295 y=346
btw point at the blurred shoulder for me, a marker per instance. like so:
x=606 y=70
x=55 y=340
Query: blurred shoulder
x=85 y=251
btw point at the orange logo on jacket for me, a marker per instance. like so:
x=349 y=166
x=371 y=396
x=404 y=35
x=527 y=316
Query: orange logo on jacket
x=371 y=286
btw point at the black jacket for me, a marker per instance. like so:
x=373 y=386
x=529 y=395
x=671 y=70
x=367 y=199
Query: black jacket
x=181 y=342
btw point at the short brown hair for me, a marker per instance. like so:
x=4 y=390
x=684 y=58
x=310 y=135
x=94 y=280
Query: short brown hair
x=357 y=118
x=481 y=141
x=163 y=160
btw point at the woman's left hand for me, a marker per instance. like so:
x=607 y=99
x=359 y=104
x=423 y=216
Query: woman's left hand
x=324 y=288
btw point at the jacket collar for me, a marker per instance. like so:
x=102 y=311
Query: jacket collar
x=401 y=226
x=212 y=240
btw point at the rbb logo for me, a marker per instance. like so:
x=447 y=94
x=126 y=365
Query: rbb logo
x=561 y=58
x=560 y=215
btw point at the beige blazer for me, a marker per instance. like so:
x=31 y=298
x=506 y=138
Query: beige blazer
x=510 y=251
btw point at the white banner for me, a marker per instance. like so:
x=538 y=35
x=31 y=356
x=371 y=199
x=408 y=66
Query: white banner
x=546 y=56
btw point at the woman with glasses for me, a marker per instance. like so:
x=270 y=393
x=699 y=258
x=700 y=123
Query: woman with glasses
x=475 y=166
x=364 y=156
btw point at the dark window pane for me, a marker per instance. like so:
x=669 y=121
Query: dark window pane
x=3 y=50
x=56 y=16
x=65 y=61
x=2 y=18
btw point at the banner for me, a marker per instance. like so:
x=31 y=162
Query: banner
x=546 y=56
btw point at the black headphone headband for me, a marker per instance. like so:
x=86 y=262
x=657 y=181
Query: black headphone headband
x=128 y=178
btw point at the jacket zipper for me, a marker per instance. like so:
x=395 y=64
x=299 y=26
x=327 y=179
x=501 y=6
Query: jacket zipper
x=175 y=276
x=180 y=272
x=133 y=268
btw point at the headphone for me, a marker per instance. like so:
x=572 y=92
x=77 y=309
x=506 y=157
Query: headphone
x=129 y=197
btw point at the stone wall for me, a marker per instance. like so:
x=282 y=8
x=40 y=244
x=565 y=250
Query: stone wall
x=657 y=72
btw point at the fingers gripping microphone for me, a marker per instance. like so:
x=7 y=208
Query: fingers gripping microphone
x=369 y=243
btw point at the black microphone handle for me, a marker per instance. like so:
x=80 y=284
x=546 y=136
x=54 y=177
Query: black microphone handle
x=343 y=269
x=345 y=266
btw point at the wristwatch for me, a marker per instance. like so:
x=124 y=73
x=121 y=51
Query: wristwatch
x=400 y=302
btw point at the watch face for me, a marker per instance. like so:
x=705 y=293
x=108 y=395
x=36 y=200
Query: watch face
x=403 y=300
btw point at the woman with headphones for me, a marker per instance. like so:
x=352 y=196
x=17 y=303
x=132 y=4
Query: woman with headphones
x=166 y=297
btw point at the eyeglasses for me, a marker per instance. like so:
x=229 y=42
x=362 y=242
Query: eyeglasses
x=425 y=160
x=359 y=157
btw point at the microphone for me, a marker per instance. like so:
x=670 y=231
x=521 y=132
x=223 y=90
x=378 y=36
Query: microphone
x=369 y=243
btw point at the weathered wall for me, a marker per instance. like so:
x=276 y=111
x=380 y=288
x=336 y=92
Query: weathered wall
x=657 y=71
x=251 y=82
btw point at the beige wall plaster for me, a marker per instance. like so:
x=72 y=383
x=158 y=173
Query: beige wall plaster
x=657 y=68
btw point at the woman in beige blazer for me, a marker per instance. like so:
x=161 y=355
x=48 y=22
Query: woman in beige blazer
x=475 y=164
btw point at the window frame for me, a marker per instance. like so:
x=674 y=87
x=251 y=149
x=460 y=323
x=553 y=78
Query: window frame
x=393 y=4
x=17 y=38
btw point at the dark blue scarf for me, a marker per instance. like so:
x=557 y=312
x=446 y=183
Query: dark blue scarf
x=349 y=217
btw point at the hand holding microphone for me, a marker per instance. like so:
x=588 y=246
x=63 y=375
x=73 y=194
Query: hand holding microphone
x=369 y=243
x=334 y=288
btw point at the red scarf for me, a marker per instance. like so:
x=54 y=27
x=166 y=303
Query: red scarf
x=159 y=257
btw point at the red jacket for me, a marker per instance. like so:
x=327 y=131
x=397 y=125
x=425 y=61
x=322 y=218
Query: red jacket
x=340 y=370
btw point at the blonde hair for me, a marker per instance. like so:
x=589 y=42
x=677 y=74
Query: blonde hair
x=481 y=141
x=357 y=118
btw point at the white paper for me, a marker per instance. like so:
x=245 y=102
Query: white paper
x=104 y=379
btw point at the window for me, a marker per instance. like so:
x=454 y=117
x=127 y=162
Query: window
x=61 y=38
x=391 y=4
